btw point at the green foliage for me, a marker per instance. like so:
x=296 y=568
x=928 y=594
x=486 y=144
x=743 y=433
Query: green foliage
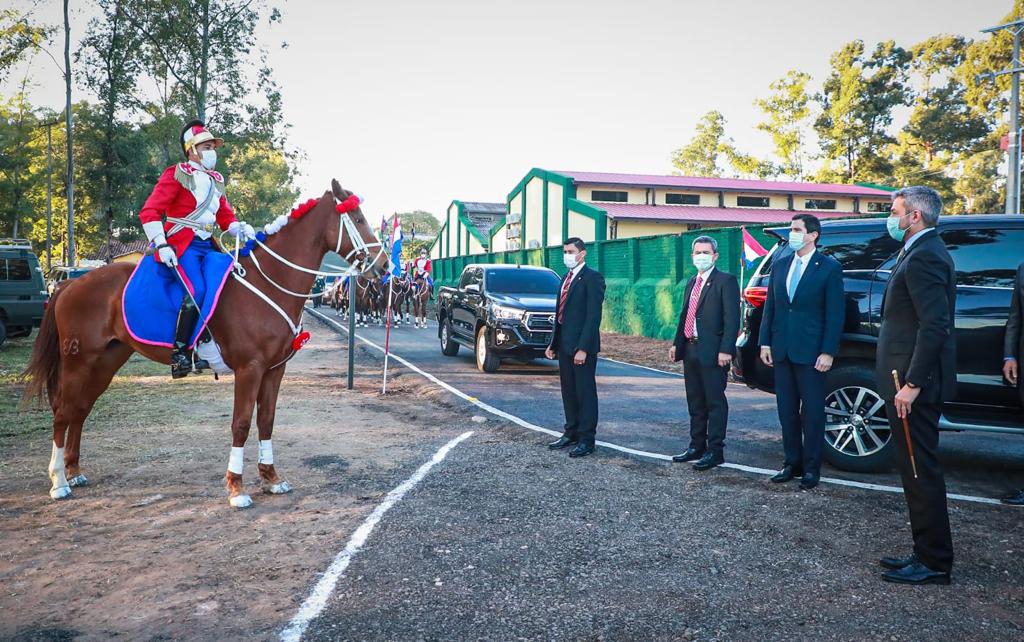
x=18 y=36
x=259 y=181
x=787 y=113
x=700 y=156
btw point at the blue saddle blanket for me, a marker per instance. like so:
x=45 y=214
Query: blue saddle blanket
x=153 y=295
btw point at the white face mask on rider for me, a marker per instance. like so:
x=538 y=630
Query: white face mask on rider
x=208 y=158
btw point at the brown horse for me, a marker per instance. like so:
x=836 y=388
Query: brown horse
x=420 y=295
x=83 y=341
x=367 y=300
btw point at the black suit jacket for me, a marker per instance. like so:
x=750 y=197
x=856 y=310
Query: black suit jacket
x=812 y=323
x=918 y=315
x=718 y=318
x=580 y=328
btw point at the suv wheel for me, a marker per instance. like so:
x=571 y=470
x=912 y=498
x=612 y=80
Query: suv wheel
x=857 y=433
x=3 y=332
x=486 y=360
x=448 y=346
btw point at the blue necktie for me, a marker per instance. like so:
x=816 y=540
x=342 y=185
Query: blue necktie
x=795 y=281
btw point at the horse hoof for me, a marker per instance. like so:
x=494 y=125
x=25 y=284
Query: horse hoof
x=240 y=501
x=64 y=492
x=280 y=488
x=78 y=481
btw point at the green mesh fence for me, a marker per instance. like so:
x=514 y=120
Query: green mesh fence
x=645 y=276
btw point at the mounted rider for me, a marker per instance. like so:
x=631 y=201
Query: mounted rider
x=421 y=269
x=180 y=217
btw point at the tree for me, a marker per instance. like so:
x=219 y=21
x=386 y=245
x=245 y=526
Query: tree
x=17 y=37
x=191 y=42
x=857 y=101
x=699 y=157
x=980 y=186
x=787 y=111
x=260 y=181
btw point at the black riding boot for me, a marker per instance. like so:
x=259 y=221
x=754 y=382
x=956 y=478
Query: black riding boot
x=181 y=356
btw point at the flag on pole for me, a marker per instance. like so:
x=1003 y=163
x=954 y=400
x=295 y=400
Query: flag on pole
x=752 y=250
x=396 y=248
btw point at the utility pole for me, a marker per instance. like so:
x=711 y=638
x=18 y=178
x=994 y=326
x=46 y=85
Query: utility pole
x=1013 y=147
x=67 y=121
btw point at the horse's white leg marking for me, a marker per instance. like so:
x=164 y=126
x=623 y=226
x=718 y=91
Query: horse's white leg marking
x=267 y=457
x=59 y=488
x=235 y=465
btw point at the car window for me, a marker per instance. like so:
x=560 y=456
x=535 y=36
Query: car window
x=467 y=278
x=861 y=250
x=15 y=270
x=985 y=257
x=522 y=282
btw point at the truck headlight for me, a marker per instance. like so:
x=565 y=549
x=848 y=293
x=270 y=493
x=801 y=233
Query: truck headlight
x=502 y=312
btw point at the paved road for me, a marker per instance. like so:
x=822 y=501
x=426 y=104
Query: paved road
x=646 y=410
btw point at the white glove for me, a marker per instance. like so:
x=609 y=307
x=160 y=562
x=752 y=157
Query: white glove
x=167 y=256
x=239 y=229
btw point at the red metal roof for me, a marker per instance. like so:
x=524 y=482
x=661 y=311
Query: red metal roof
x=698 y=214
x=729 y=184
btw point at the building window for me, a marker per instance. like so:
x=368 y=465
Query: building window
x=876 y=207
x=611 y=197
x=820 y=204
x=753 y=201
x=682 y=199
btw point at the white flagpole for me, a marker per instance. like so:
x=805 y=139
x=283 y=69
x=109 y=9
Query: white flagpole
x=387 y=333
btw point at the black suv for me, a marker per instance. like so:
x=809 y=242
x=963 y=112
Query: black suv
x=23 y=292
x=498 y=311
x=986 y=251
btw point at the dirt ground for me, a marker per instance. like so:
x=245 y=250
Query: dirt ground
x=643 y=351
x=150 y=549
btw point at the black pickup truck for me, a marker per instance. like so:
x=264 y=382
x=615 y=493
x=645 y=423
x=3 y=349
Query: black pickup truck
x=986 y=251
x=498 y=311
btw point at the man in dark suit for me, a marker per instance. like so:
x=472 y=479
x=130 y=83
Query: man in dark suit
x=917 y=341
x=576 y=340
x=800 y=331
x=705 y=342
x=1013 y=352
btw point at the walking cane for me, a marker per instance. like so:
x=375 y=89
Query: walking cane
x=906 y=427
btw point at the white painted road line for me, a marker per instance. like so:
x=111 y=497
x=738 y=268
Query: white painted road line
x=623 y=449
x=317 y=599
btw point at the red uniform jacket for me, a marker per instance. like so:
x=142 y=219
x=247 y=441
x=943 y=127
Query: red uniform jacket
x=171 y=198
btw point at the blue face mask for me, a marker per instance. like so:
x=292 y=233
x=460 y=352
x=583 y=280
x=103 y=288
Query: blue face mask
x=892 y=224
x=796 y=240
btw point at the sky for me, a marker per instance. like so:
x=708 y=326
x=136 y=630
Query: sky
x=414 y=103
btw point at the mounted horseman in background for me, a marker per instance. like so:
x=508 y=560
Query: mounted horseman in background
x=186 y=207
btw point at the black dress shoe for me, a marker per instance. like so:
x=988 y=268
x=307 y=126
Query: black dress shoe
x=916 y=573
x=897 y=563
x=787 y=473
x=1016 y=499
x=561 y=442
x=709 y=461
x=690 y=454
x=581 y=450
x=808 y=481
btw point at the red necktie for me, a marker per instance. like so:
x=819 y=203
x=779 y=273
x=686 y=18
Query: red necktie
x=562 y=297
x=690 y=326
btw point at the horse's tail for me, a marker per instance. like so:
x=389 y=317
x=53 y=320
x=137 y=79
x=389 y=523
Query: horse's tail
x=44 y=366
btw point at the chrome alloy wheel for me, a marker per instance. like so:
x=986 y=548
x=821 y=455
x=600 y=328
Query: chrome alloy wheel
x=855 y=421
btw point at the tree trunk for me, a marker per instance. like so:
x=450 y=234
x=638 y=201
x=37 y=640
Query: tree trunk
x=204 y=64
x=68 y=126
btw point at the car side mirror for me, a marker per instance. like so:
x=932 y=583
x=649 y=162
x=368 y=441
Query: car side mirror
x=473 y=287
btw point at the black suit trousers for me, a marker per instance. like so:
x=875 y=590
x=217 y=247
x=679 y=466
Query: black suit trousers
x=705 y=399
x=800 y=397
x=926 y=495
x=579 y=396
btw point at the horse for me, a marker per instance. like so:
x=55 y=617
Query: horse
x=367 y=297
x=420 y=296
x=83 y=341
x=399 y=291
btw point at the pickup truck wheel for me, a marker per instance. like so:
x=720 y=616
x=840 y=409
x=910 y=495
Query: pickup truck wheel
x=448 y=346
x=857 y=433
x=486 y=360
x=3 y=332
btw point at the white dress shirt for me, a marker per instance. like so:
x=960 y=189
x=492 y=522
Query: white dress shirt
x=805 y=261
x=703 y=278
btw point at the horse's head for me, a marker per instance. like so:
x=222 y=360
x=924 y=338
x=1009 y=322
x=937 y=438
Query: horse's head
x=353 y=238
